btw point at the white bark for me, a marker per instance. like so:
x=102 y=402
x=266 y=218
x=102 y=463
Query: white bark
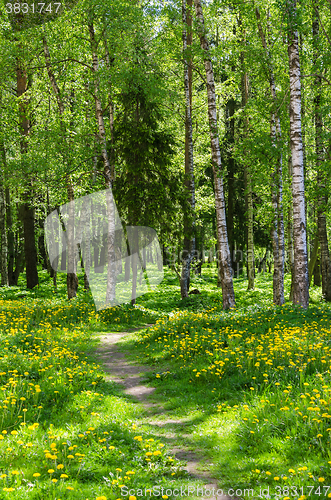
x=189 y=168
x=224 y=253
x=277 y=189
x=301 y=284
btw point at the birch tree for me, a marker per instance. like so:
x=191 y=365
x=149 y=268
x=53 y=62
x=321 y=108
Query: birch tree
x=301 y=284
x=277 y=187
x=222 y=237
x=247 y=173
x=189 y=240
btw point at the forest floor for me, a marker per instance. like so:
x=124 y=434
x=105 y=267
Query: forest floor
x=166 y=394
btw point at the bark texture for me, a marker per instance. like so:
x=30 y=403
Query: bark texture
x=277 y=179
x=290 y=232
x=301 y=284
x=231 y=167
x=222 y=237
x=189 y=240
x=248 y=186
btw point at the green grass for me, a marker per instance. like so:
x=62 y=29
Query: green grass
x=224 y=373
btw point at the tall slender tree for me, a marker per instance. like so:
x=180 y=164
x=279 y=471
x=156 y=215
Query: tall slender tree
x=189 y=239
x=277 y=182
x=222 y=236
x=301 y=284
x=247 y=171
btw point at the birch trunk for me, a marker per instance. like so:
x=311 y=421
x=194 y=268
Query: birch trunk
x=230 y=119
x=301 y=285
x=248 y=189
x=189 y=240
x=277 y=188
x=321 y=176
x=108 y=174
x=222 y=237
x=290 y=231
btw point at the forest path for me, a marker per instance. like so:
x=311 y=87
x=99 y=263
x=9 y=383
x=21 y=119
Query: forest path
x=174 y=432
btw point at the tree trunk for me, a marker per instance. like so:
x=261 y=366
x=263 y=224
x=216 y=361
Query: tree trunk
x=27 y=208
x=301 y=284
x=52 y=272
x=189 y=240
x=277 y=188
x=230 y=110
x=248 y=186
x=224 y=260
x=290 y=231
x=321 y=175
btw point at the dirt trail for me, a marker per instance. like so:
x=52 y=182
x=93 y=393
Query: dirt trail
x=131 y=376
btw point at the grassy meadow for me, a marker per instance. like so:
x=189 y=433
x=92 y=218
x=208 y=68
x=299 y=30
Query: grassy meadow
x=252 y=386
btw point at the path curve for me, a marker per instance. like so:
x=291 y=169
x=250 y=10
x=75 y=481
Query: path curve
x=130 y=375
